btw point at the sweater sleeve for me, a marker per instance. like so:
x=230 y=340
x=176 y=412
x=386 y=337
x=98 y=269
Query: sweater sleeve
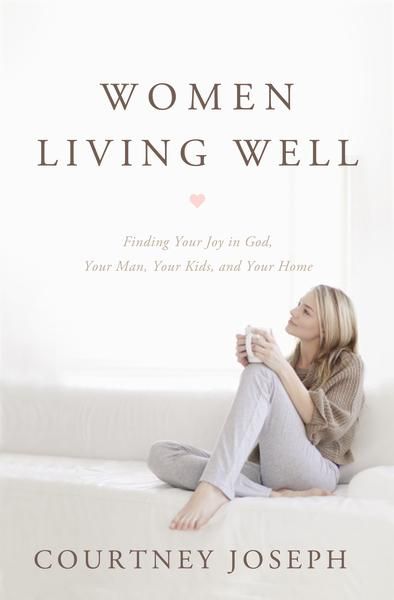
x=338 y=403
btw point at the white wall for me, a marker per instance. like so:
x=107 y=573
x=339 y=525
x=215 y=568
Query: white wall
x=59 y=322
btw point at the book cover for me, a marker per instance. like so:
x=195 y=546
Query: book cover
x=174 y=172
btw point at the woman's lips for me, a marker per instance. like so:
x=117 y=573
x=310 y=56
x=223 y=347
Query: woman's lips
x=292 y=322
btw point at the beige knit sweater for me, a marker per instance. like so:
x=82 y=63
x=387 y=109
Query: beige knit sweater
x=337 y=407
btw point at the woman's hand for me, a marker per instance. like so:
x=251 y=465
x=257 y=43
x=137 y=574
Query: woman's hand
x=265 y=348
x=240 y=353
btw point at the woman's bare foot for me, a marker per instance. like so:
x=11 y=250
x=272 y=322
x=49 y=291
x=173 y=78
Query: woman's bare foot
x=310 y=492
x=203 y=503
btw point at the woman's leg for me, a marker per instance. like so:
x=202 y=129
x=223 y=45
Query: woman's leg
x=182 y=465
x=263 y=413
x=254 y=418
x=241 y=430
x=288 y=459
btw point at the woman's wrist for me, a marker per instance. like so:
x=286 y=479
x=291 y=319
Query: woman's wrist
x=284 y=368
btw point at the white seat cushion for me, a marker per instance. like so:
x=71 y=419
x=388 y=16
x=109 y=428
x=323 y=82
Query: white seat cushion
x=58 y=503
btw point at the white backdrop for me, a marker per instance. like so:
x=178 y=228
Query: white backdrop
x=59 y=322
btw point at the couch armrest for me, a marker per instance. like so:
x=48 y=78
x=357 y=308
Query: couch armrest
x=375 y=483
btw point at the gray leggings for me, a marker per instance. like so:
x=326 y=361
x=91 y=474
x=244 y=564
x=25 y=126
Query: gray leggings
x=262 y=413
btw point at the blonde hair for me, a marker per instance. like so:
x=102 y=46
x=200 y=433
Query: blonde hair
x=338 y=332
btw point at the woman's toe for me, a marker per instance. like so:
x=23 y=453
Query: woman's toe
x=175 y=523
x=190 y=523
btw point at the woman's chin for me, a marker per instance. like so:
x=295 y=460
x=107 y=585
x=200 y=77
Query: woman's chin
x=290 y=329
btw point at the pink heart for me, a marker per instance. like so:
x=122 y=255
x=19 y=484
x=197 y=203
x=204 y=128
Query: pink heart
x=197 y=200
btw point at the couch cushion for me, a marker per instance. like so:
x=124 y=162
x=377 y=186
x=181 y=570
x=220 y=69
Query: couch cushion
x=31 y=471
x=122 y=424
x=107 y=423
x=374 y=483
x=373 y=444
x=57 y=503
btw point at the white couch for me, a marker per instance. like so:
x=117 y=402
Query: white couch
x=73 y=477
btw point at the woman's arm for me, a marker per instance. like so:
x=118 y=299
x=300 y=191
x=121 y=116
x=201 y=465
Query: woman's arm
x=296 y=390
x=266 y=348
x=331 y=409
x=338 y=403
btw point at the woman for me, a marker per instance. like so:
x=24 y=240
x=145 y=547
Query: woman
x=298 y=414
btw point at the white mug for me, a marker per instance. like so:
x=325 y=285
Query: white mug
x=248 y=341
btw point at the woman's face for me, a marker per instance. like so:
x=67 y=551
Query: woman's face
x=304 y=323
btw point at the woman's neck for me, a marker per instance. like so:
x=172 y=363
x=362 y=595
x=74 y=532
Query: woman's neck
x=308 y=352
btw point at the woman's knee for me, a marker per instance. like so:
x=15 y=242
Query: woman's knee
x=158 y=453
x=258 y=370
x=256 y=373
